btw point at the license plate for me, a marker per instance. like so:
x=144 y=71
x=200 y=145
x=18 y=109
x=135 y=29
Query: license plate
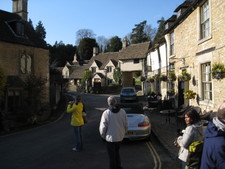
x=128 y=133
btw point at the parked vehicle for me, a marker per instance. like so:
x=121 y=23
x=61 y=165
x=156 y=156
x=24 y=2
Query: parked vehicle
x=128 y=94
x=139 y=126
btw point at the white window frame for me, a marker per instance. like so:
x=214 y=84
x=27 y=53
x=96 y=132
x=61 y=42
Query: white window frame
x=109 y=68
x=204 y=21
x=26 y=64
x=206 y=82
x=172 y=44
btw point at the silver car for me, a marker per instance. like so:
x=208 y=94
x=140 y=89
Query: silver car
x=139 y=126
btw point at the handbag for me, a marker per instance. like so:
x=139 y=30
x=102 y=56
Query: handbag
x=84 y=115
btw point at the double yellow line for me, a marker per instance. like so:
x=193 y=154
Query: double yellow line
x=155 y=155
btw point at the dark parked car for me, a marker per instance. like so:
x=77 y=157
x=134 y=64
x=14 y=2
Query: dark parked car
x=128 y=94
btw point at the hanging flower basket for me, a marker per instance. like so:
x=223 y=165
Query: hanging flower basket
x=218 y=71
x=189 y=94
x=170 y=92
x=143 y=78
x=172 y=76
x=156 y=77
x=185 y=76
x=163 y=78
x=151 y=79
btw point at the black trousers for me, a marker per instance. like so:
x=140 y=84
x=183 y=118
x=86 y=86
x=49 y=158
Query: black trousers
x=114 y=155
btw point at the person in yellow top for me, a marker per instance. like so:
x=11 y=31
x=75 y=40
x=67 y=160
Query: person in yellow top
x=76 y=108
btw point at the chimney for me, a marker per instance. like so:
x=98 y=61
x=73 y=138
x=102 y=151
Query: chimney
x=95 y=51
x=20 y=8
x=124 y=42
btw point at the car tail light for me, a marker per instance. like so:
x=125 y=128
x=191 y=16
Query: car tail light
x=143 y=124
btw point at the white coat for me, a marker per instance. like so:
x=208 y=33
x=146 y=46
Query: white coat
x=191 y=134
x=113 y=125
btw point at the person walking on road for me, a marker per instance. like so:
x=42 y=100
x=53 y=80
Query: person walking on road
x=76 y=108
x=213 y=156
x=193 y=132
x=113 y=126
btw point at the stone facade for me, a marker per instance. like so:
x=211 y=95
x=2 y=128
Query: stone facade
x=10 y=62
x=190 y=52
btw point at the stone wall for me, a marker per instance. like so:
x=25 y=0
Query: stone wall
x=10 y=62
x=190 y=52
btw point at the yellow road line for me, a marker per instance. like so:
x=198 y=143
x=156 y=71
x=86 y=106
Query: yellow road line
x=156 y=158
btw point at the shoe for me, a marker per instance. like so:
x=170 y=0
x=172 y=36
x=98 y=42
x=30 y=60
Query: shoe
x=75 y=149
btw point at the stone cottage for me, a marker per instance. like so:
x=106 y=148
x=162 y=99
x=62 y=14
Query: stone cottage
x=22 y=53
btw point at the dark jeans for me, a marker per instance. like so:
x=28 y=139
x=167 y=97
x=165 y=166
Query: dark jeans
x=78 y=137
x=114 y=156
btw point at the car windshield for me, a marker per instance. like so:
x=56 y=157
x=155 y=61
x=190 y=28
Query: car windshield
x=128 y=91
x=133 y=110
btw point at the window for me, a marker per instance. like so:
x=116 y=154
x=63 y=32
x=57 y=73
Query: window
x=172 y=43
x=206 y=81
x=204 y=21
x=25 y=64
x=109 y=81
x=93 y=69
x=136 y=61
x=14 y=99
x=109 y=69
x=17 y=28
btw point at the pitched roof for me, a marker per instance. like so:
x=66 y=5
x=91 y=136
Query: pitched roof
x=185 y=4
x=103 y=58
x=100 y=75
x=190 y=6
x=134 y=51
x=78 y=71
x=30 y=37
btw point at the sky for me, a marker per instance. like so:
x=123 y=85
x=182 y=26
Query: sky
x=63 y=18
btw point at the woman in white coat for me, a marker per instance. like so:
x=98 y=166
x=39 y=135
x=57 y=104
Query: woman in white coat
x=193 y=132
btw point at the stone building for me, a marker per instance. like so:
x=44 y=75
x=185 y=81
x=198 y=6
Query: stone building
x=22 y=53
x=195 y=42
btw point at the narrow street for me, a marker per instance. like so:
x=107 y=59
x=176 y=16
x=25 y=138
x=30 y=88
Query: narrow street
x=49 y=146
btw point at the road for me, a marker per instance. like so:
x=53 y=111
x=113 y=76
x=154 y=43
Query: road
x=49 y=146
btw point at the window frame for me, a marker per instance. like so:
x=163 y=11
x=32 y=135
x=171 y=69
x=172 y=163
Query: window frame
x=206 y=82
x=109 y=68
x=93 y=69
x=171 y=43
x=26 y=64
x=204 y=21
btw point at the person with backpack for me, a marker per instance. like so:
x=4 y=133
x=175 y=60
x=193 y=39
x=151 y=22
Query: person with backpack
x=213 y=156
x=193 y=132
x=113 y=126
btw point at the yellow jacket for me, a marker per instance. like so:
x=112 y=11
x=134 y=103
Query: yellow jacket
x=76 y=110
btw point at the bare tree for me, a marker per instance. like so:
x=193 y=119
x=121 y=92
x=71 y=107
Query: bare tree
x=102 y=43
x=150 y=32
x=84 y=33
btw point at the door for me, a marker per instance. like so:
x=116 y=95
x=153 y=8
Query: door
x=180 y=93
